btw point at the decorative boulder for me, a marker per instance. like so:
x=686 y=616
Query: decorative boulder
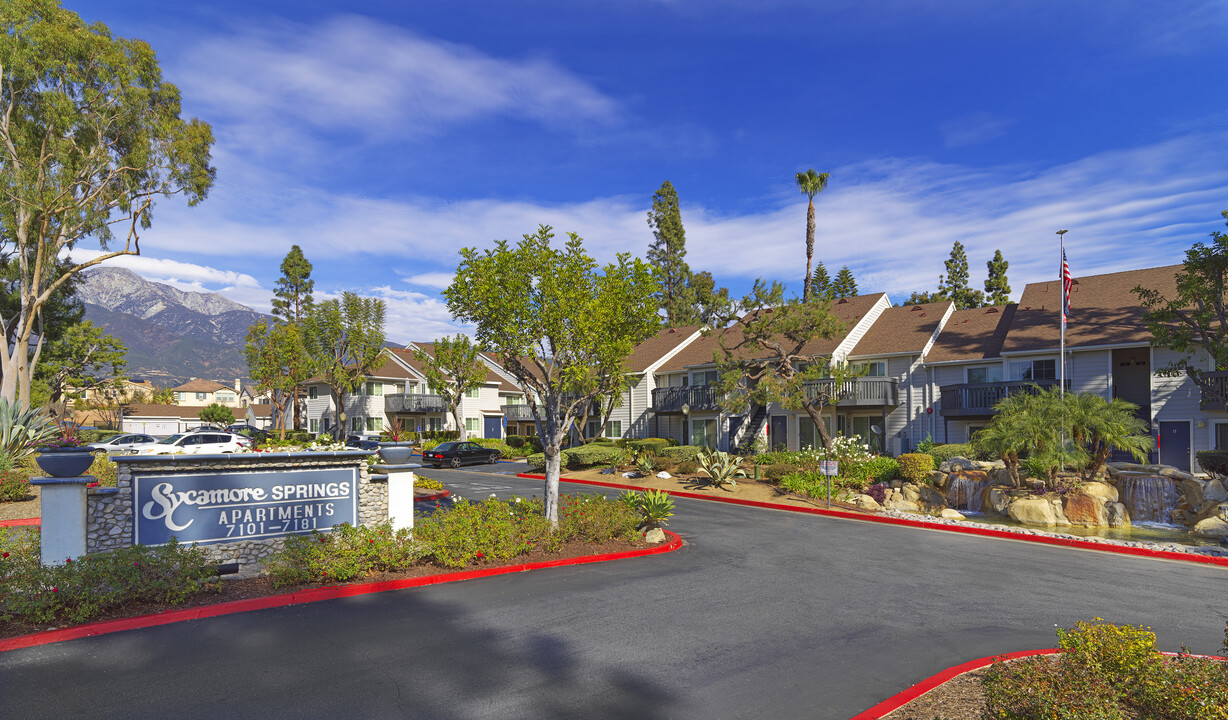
x=1084 y=510
x=938 y=479
x=1210 y=510
x=950 y=514
x=1191 y=493
x=865 y=502
x=1033 y=511
x=663 y=475
x=1214 y=491
x=1169 y=471
x=911 y=492
x=997 y=499
x=1117 y=514
x=1214 y=527
x=654 y=536
x=1104 y=491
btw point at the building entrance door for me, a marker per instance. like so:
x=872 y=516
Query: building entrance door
x=778 y=432
x=1175 y=444
x=493 y=427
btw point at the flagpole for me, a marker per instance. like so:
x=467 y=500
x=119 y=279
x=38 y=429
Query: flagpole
x=1061 y=284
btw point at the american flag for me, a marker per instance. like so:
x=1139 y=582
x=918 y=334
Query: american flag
x=1066 y=283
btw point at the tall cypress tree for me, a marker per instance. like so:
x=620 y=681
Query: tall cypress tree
x=954 y=285
x=997 y=289
x=291 y=301
x=667 y=254
x=820 y=282
x=844 y=285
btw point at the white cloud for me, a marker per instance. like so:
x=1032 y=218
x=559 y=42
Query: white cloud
x=275 y=84
x=436 y=280
x=973 y=129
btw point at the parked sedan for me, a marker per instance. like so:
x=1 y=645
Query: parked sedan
x=124 y=444
x=455 y=454
x=197 y=443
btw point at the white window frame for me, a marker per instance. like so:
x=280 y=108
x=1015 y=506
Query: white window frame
x=375 y=424
x=614 y=428
x=473 y=393
x=356 y=423
x=313 y=425
x=473 y=425
x=863 y=368
x=989 y=373
x=1031 y=365
x=313 y=392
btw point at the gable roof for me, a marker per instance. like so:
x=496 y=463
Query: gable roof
x=658 y=346
x=973 y=334
x=199 y=385
x=1103 y=311
x=407 y=355
x=905 y=329
x=701 y=352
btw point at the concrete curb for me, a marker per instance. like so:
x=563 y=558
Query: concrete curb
x=310 y=596
x=22 y=522
x=986 y=532
x=437 y=496
x=899 y=700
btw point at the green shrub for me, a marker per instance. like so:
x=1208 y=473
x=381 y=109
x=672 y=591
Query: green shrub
x=604 y=440
x=942 y=453
x=506 y=451
x=345 y=553
x=1181 y=688
x=687 y=467
x=426 y=483
x=516 y=441
x=681 y=452
x=814 y=484
x=1042 y=689
x=14 y=486
x=104 y=470
x=93 y=436
x=654 y=444
x=653 y=507
x=23 y=430
x=84 y=588
x=1214 y=461
x=1120 y=652
x=774 y=473
x=916 y=467
x=579 y=458
x=881 y=469
x=720 y=467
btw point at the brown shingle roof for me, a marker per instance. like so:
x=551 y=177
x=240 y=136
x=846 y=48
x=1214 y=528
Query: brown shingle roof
x=199 y=385
x=492 y=377
x=388 y=368
x=702 y=350
x=972 y=334
x=658 y=346
x=1103 y=311
x=902 y=329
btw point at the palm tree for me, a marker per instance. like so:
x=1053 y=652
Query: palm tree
x=1100 y=425
x=810 y=183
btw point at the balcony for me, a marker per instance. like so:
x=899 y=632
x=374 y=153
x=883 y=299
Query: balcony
x=1212 y=386
x=411 y=404
x=858 y=392
x=517 y=413
x=978 y=399
x=697 y=398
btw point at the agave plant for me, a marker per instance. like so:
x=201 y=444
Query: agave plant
x=646 y=463
x=22 y=430
x=720 y=467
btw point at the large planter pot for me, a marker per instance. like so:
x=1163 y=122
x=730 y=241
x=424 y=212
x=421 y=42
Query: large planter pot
x=396 y=453
x=65 y=462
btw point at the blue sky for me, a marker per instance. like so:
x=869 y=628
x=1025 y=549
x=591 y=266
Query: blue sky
x=382 y=136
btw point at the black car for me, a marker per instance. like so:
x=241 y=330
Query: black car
x=455 y=454
x=250 y=431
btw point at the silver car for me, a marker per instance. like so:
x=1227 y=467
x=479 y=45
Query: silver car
x=197 y=443
x=126 y=444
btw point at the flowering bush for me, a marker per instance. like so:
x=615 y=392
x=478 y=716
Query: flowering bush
x=83 y=588
x=878 y=491
x=346 y=553
x=14 y=486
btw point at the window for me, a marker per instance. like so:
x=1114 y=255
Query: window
x=512 y=400
x=375 y=388
x=614 y=429
x=356 y=424
x=313 y=425
x=473 y=392
x=807 y=437
x=200 y=396
x=703 y=433
x=1034 y=370
x=875 y=368
x=434 y=424
x=973 y=430
x=1221 y=436
x=312 y=392
x=471 y=425
x=985 y=374
x=862 y=428
x=705 y=378
x=375 y=424
x=594 y=429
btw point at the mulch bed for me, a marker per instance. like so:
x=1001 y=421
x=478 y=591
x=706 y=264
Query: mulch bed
x=959 y=698
x=246 y=588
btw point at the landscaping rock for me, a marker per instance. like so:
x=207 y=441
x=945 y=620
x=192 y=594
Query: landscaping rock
x=663 y=475
x=1170 y=471
x=1114 y=467
x=1084 y=510
x=654 y=536
x=897 y=484
x=1104 y=491
x=911 y=492
x=1209 y=510
x=1215 y=527
x=865 y=502
x=950 y=514
x=1191 y=493
x=1214 y=491
x=631 y=474
x=1032 y=511
x=997 y=499
x=939 y=479
x=1117 y=514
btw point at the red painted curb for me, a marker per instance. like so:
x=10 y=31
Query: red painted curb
x=309 y=596
x=899 y=700
x=986 y=532
x=437 y=496
x=21 y=522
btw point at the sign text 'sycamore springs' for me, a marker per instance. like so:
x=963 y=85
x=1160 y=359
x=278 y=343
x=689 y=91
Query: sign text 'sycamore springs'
x=210 y=508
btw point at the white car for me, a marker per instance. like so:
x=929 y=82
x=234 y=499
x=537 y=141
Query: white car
x=197 y=443
x=124 y=444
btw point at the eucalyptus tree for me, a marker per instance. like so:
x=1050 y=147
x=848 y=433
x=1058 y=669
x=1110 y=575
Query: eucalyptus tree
x=811 y=183
x=452 y=369
x=90 y=137
x=343 y=340
x=557 y=322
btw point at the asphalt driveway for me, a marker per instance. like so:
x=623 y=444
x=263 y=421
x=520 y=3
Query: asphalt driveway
x=762 y=614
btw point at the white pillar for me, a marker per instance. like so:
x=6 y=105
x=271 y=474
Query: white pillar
x=63 y=517
x=400 y=493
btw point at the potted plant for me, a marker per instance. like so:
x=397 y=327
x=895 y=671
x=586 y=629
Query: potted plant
x=64 y=455
x=395 y=450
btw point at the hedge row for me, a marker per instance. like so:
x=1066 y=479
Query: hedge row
x=585 y=456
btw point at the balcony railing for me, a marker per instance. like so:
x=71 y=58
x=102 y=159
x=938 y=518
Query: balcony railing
x=978 y=399
x=695 y=397
x=863 y=391
x=517 y=413
x=1213 y=386
x=412 y=403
